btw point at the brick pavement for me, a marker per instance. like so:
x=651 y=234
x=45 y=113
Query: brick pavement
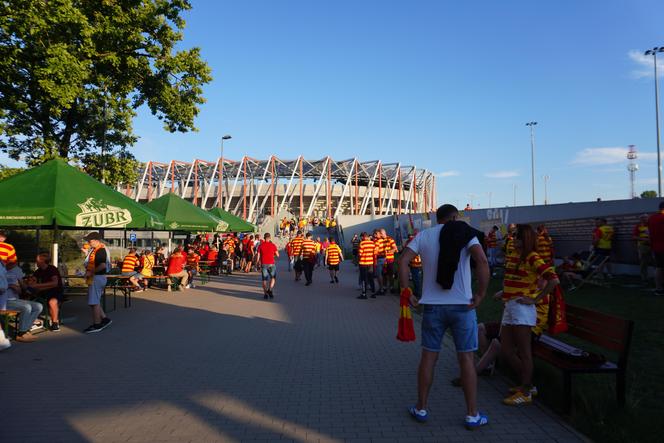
x=218 y=363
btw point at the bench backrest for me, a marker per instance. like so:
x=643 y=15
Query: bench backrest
x=604 y=330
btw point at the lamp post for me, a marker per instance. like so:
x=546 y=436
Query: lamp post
x=546 y=195
x=532 y=157
x=654 y=52
x=221 y=167
x=514 y=190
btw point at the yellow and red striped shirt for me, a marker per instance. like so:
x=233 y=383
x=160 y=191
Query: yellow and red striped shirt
x=545 y=247
x=7 y=253
x=367 y=253
x=521 y=277
x=129 y=263
x=192 y=260
x=333 y=253
x=389 y=246
x=308 y=249
x=379 y=247
x=296 y=245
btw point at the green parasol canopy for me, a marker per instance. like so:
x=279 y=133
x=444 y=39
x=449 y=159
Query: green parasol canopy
x=180 y=215
x=235 y=224
x=56 y=193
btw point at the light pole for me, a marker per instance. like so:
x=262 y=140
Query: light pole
x=514 y=190
x=546 y=195
x=654 y=52
x=532 y=157
x=221 y=168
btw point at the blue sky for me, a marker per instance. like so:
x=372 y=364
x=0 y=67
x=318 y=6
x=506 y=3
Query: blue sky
x=439 y=84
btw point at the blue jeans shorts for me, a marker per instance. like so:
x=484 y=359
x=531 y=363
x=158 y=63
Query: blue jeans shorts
x=268 y=272
x=436 y=319
x=380 y=262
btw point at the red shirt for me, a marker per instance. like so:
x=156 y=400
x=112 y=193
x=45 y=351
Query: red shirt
x=656 y=230
x=267 y=250
x=212 y=255
x=176 y=263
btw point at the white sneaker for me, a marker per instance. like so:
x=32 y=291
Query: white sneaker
x=4 y=344
x=188 y=287
x=36 y=327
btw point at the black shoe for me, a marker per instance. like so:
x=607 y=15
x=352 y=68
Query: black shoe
x=55 y=327
x=105 y=323
x=92 y=329
x=361 y=297
x=307 y=283
x=270 y=293
x=336 y=279
x=331 y=281
x=265 y=296
x=373 y=295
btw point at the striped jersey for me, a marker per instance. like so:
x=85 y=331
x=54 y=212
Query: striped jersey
x=296 y=245
x=308 y=249
x=389 y=245
x=379 y=247
x=545 y=247
x=333 y=253
x=129 y=263
x=7 y=253
x=366 y=253
x=521 y=277
x=192 y=261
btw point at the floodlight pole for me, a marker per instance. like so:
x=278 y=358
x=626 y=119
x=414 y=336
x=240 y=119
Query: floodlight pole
x=654 y=52
x=532 y=157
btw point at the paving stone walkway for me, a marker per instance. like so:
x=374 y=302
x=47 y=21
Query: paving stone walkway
x=219 y=363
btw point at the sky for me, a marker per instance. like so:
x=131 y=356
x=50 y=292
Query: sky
x=443 y=85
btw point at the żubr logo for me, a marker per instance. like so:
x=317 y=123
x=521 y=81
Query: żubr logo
x=222 y=226
x=94 y=213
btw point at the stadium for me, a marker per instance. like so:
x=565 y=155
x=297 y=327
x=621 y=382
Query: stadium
x=253 y=189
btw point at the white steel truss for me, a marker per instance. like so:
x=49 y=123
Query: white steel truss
x=252 y=188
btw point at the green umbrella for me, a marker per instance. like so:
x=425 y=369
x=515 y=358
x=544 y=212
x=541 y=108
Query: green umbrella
x=180 y=215
x=235 y=224
x=57 y=194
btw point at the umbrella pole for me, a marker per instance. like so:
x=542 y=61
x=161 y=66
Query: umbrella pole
x=54 y=252
x=37 y=238
x=152 y=240
x=170 y=236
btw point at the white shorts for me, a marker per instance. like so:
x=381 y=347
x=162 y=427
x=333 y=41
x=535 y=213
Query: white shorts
x=518 y=314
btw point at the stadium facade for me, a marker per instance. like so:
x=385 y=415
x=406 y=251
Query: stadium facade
x=252 y=188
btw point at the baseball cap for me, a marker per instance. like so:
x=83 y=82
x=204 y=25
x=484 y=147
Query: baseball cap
x=92 y=236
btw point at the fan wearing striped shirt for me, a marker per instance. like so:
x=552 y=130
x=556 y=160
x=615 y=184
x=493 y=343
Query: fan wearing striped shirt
x=333 y=257
x=520 y=294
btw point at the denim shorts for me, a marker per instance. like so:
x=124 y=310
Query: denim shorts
x=436 y=319
x=96 y=289
x=132 y=274
x=268 y=272
x=380 y=262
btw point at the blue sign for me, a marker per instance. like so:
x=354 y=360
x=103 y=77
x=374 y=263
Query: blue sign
x=132 y=237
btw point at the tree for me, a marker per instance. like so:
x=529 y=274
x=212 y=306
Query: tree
x=6 y=171
x=648 y=194
x=73 y=73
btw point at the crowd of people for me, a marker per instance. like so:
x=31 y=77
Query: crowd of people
x=289 y=227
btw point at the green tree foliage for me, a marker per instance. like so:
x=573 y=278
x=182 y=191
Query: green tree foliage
x=6 y=171
x=648 y=194
x=73 y=73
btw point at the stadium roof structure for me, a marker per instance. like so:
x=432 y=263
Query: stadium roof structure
x=251 y=188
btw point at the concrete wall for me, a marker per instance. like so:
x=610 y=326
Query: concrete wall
x=356 y=224
x=571 y=224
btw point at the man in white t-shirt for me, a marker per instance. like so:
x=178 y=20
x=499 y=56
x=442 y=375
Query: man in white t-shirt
x=452 y=308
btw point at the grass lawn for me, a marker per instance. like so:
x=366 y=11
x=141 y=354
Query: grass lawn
x=595 y=411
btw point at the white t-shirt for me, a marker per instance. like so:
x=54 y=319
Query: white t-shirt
x=14 y=275
x=426 y=244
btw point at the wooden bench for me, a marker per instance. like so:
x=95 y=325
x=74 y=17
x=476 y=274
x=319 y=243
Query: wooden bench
x=10 y=315
x=606 y=331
